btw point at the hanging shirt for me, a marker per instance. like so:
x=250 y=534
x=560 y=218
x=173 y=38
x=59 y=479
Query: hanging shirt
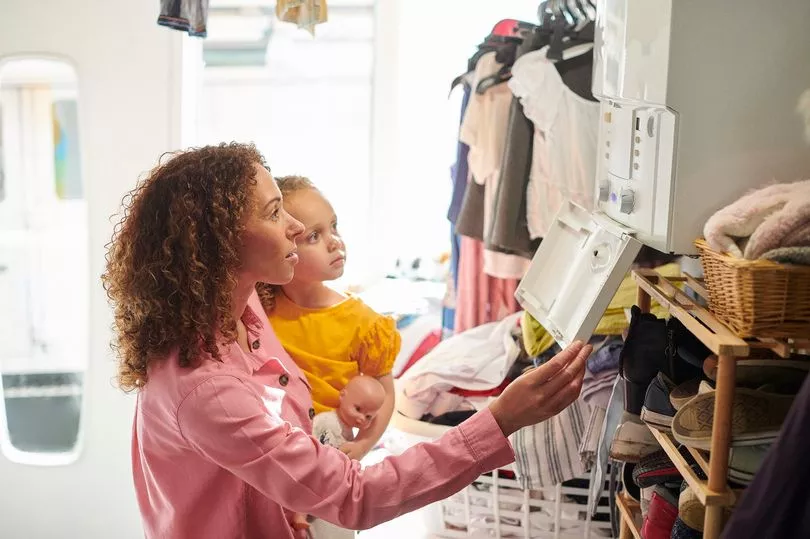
x=484 y=130
x=565 y=140
x=334 y=344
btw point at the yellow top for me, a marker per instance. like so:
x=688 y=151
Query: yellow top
x=335 y=344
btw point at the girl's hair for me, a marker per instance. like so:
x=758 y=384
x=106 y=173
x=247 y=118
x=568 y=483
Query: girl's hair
x=172 y=259
x=287 y=185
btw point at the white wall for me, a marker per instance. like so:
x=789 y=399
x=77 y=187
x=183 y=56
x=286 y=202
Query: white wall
x=129 y=113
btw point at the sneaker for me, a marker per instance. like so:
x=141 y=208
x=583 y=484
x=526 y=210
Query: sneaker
x=655 y=469
x=690 y=511
x=784 y=376
x=658 y=410
x=661 y=515
x=756 y=418
x=632 y=440
x=687 y=391
x=681 y=531
x=744 y=462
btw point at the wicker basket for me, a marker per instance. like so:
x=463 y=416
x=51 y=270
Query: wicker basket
x=757 y=298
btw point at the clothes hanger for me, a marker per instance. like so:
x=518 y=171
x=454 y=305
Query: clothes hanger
x=588 y=9
x=504 y=37
x=580 y=17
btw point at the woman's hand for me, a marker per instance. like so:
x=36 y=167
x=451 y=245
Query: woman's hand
x=543 y=392
x=355 y=450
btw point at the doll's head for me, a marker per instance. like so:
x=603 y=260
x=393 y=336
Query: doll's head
x=360 y=401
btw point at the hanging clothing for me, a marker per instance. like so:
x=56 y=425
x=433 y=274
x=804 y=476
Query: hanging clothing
x=470 y=219
x=590 y=441
x=185 y=15
x=459 y=172
x=509 y=228
x=304 y=13
x=480 y=298
x=565 y=139
x=484 y=129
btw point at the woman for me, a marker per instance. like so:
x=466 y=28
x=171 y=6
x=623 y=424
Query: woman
x=220 y=446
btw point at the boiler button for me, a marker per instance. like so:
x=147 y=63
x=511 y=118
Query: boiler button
x=650 y=126
x=628 y=201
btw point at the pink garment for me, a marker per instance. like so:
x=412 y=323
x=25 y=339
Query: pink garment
x=219 y=450
x=480 y=298
x=744 y=217
x=789 y=227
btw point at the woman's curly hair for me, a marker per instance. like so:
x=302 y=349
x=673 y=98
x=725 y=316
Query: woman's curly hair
x=172 y=259
x=287 y=185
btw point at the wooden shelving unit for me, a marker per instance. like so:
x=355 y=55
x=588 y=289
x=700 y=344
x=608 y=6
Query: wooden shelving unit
x=714 y=492
x=630 y=512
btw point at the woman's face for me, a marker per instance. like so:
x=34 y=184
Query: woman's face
x=268 y=252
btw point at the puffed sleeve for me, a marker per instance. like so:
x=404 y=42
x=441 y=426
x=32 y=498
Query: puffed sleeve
x=377 y=346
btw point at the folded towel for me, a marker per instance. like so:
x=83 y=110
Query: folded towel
x=790 y=255
x=788 y=227
x=742 y=218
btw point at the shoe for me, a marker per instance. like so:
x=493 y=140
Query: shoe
x=632 y=440
x=630 y=487
x=784 y=376
x=642 y=357
x=756 y=418
x=687 y=391
x=646 y=497
x=661 y=515
x=690 y=511
x=658 y=410
x=686 y=352
x=744 y=462
x=681 y=531
x=655 y=469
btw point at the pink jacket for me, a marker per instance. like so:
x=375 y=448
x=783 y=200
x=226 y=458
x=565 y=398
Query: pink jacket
x=222 y=451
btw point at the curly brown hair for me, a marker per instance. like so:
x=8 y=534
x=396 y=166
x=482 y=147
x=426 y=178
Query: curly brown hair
x=287 y=185
x=172 y=259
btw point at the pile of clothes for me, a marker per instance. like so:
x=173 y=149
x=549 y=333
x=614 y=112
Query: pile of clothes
x=772 y=223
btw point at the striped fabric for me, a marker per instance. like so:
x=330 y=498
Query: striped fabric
x=548 y=453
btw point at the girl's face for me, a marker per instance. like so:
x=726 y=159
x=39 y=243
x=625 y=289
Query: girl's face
x=268 y=252
x=321 y=251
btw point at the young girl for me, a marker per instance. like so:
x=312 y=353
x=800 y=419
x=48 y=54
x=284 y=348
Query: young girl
x=332 y=337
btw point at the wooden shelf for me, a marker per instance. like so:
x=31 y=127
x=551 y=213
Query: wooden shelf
x=713 y=493
x=699 y=486
x=714 y=334
x=630 y=512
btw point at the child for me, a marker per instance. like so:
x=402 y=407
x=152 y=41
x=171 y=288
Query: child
x=360 y=401
x=332 y=337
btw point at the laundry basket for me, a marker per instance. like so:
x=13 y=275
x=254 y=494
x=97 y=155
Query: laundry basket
x=495 y=505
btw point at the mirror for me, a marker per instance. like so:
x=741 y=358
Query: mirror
x=44 y=270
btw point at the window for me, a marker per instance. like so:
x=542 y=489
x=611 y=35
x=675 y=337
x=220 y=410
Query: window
x=44 y=273
x=306 y=104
